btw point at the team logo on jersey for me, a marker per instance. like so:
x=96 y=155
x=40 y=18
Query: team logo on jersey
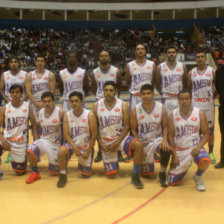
x=112 y=75
x=194 y=75
x=83 y=120
x=45 y=78
x=102 y=109
x=79 y=76
x=65 y=77
x=194 y=118
x=20 y=77
x=54 y=121
x=142 y=116
x=177 y=119
x=8 y=78
x=41 y=121
x=9 y=111
x=208 y=75
x=98 y=76
x=135 y=69
x=165 y=70
x=116 y=109
x=24 y=111
x=178 y=69
x=156 y=115
x=148 y=67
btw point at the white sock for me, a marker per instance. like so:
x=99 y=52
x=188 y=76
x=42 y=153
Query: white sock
x=62 y=171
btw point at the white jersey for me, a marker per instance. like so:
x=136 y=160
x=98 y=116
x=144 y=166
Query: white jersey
x=40 y=84
x=140 y=75
x=10 y=79
x=110 y=120
x=202 y=88
x=149 y=124
x=79 y=129
x=102 y=76
x=72 y=81
x=51 y=126
x=171 y=79
x=187 y=130
x=16 y=123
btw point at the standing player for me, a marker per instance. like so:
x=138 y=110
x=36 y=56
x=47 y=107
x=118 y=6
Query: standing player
x=113 y=124
x=13 y=76
x=16 y=116
x=50 y=118
x=200 y=82
x=37 y=82
x=72 y=78
x=105 y=72
x=171 y=77
x=149 y=124
x=80 y=131
x=139 y=72
x=186 y=124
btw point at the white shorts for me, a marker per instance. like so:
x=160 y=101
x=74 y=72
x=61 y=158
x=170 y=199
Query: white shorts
x=210 y=114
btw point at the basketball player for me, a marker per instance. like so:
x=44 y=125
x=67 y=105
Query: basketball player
x=80 y=132
x=113 y=124
x=171 y=77
x=100 y=75
x=139 y=72
x=37 y=82
x=186 y=124
x=149 y=123
x=50 y=118
x=72 y=78
x=13 y=76
x=16 y=116
x=200 y=82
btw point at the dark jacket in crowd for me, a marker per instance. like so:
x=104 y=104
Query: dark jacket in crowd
x=219 y=83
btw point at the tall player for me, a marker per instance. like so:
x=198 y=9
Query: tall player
x=171 y=77
x=149 y=123
x=105 y=72
x=80 y=131
x=113 y=124
x=186 y=124
x=50 y=118
x=16 y=116
x=72 y=78
x=139 y=72
x=37 y=82
x=201 y=82
x=13 y=76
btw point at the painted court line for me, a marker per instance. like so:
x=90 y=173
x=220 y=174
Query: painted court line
x=86 y=205
x=140 y=207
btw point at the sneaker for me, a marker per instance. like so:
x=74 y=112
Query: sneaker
x=219 y=165
x=136 y=181
x=62 y=180
x=8 y=160
x=33 y=177
x=120 y=157
x=199 y=183
x=98 y=157
x=162 y=179
x=127 y=159
x=156 y=158
x=212 y=158
x=1 y=175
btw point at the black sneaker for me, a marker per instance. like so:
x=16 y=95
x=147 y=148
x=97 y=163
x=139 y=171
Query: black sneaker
x=219 y=165
x=62 y=180
x=120 y=157
x=162 y=179
x=98 y=157
x=136 y=181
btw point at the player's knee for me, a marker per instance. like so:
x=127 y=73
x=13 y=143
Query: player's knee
x=137 y=146
x=203 y=165
x=165 y=157
x=62 y=152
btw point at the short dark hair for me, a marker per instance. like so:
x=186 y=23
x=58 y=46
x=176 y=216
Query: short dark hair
x=171 y=47
x=108 y=83
x=15 y=58
x=47 y=94
x=184 y=91
x=199 y=51
x=75 y=93
x=40 y=56
x=147 y=87
x=140 y=44
x=16 y=86
x=72 y=52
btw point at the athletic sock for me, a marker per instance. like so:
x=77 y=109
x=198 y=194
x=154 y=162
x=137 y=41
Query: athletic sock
x=211 y=148
x=199 y=172
x=136 y=168
x=35 y=169
x=62 y=171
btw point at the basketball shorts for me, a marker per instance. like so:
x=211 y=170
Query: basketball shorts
x=170 y=103
x=42 y=146
x=210 y=114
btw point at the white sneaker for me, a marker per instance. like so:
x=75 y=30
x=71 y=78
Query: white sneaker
x=199 y=183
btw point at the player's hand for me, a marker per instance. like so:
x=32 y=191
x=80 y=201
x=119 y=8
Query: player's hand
x=85 y=155
x=113 y=147
x=195 y=151
x=174 y=162
x=6 y=146
x=164 y=145
x=77 y=151
x=104 y=147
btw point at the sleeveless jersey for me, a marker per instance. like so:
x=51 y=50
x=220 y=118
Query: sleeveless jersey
x=101 y=77
x=72 y=81
x=10 y=79
x=110 y=120
x=40 y=85
x=140 y=75
x=171 y=79
x=17 y=123
x=202 y=88
x=79 y=128
x=149 y=124
x=51 y=126
x=187 y=130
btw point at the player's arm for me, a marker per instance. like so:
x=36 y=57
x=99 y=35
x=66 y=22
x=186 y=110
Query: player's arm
x=93 y=83
x=158 y=79
x=154 y=74
x=33 y=123
x=60 y=85
x=119 y=83
x=205 y=134
x=127 y=77
x=184 y=77
x=2 y=89
x=52 y=83
x=134 y=123
x=67 y=136
x=6 y=146
x=86 y=84
x=164 y=144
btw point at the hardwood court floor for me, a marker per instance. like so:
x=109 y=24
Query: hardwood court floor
x=101 y=200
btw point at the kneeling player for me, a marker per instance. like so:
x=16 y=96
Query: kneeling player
x=50 y=118
x=80 y=131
